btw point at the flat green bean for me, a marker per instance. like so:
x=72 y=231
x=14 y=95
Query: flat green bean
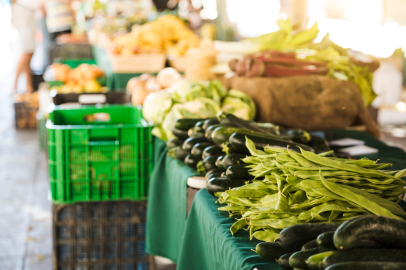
x=358 y=199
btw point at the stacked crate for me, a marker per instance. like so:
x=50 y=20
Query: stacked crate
x=100 y=159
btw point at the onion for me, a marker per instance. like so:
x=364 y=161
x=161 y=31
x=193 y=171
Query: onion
x=167 y=77
x=138 y=81
x=152 y=85
x=139 y=93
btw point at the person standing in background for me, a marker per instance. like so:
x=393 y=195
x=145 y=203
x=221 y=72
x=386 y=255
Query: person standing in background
x=59 y=17
x=24 y=21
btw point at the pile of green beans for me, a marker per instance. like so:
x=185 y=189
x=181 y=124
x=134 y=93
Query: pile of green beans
x=292 y=188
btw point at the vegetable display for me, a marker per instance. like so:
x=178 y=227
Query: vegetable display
x=287 y=52
x=193 y=100
x=292 y=188
x=83 y=79
x=374 y=246
x=166 y=34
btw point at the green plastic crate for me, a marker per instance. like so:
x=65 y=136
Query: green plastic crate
x=74 y=63
x=99 y=160
x=42 y=131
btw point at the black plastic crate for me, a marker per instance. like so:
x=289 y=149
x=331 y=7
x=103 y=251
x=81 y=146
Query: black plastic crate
x=71 y=51
x=100 y=236
x=121 y=97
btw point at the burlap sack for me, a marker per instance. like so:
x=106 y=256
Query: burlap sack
x=306 y=102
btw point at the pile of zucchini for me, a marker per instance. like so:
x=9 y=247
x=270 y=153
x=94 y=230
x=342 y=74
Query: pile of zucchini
x=362 y=243
x=216 y=146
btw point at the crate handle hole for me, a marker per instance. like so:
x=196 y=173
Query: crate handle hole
x=97 y=117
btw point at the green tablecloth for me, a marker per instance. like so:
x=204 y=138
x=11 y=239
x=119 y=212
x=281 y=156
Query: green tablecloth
x=114 y=81
x=166 y=211
x=208 y=243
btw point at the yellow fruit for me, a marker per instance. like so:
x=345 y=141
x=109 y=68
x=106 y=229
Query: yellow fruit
x=65 y=89
x=77 y=89
x=92 y=86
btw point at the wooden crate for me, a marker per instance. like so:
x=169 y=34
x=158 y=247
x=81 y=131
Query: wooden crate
x=179 y=63
x=138 y=63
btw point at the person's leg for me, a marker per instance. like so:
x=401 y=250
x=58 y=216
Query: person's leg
x=24 y=22
x=23 y=66
x=27 y=69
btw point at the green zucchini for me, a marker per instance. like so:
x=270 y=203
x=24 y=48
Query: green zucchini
x=238 y=172
x=236 y=149
x=219 y=162
x=233 y=159
x=297 y=135
x=181 y=134
x=189 y=143
x=198 y=149
x=283 y=261
x=315 y=262
x=309 y=245
x=270 y=250
x=199 y=126
x=388 y=231
x=368 y=266
x=366 y=255
x=220 y=184
x=261 y=141
x=213 y=150
x=210 y=163
x=192 y=133
x=213 y=174
x=192 y=161
x=186 y=123
x=294 y=237
x=325 y=240
x=174 y=142
x=216 y=170
x=234 y=121
x=221 y=135
x=299 y=259
x=209 y=122
x=209 y=130
x=177 y=152
x=318 y=144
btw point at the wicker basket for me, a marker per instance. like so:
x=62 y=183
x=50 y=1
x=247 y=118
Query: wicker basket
x=179 y=63
x=137 y=63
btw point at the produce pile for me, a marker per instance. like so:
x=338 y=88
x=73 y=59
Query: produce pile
x=294 y=188
x=168 y=34
x=122 y=24
x=216 y=146
x=323 y=58
x=83 y=79
x=196 y=100
x=140 y=87
x=362 y=243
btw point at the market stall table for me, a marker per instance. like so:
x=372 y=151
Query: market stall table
x=208 y=229
x=167 y=203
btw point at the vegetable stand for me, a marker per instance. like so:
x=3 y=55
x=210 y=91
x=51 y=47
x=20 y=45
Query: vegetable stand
x=207 y=242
